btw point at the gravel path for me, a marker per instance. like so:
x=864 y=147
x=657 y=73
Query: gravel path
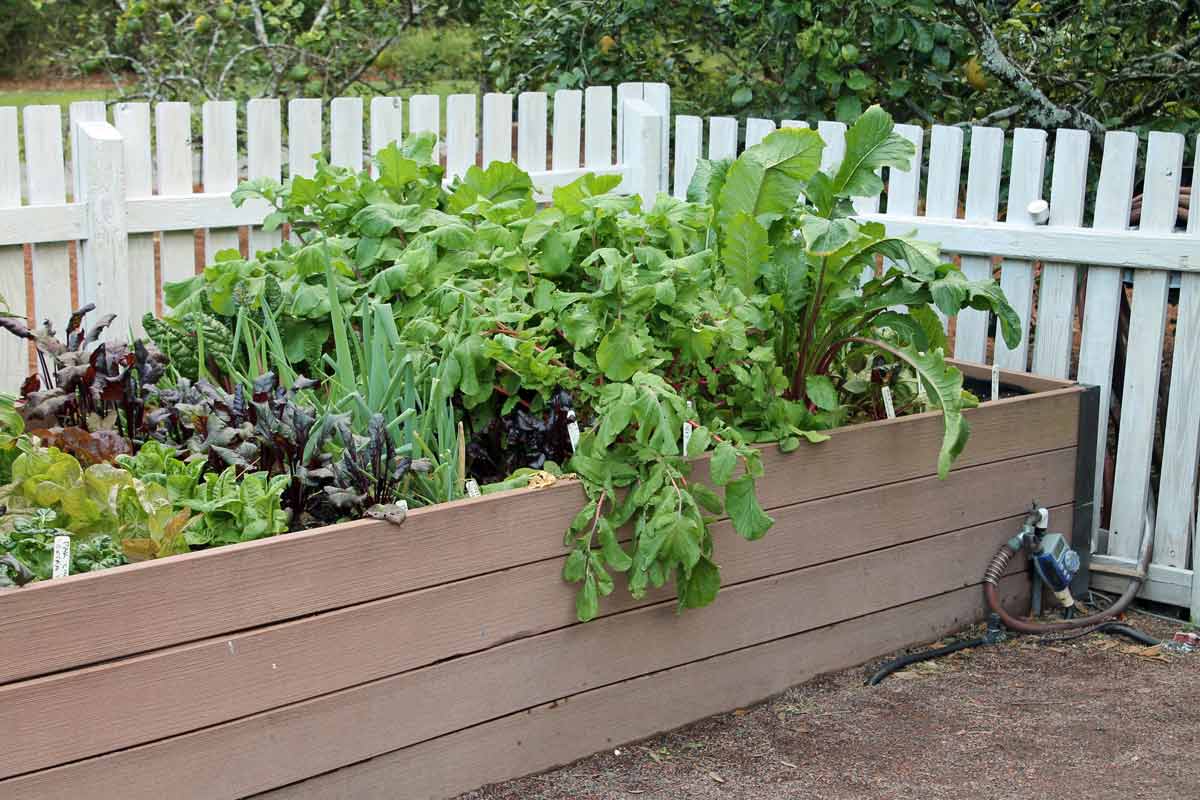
x=1093 y=718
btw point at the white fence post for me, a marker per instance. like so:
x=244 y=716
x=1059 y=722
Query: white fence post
x=642 y=155
x=104 y=253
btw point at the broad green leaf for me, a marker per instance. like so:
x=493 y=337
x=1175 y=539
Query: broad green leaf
x=766 y=180
x=821 y=391
x=823 y=237
x=747 y=515
x=745 y=251
x=707 y=180
x=709 y=500
x=587 y=603
x=721 y=464
x=620 y=353
x=701 y=585
x=614 y=555
x=575 y=566
x=871 y=143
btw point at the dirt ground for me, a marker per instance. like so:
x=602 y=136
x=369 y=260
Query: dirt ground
x=1094 y=718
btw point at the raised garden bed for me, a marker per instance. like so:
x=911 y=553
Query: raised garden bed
x=368 y=660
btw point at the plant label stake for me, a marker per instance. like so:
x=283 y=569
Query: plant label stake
x=572 y=429
x=472 y=488
x=995 y=381
x=888 y=406
x=687 y=428
x=61 y=565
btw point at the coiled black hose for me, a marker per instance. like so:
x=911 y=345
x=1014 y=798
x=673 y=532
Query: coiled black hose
x=913 y=658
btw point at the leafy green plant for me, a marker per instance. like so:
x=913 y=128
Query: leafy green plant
x=28 y=550
x=234 y=507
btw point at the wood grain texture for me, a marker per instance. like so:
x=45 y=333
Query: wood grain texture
x=179 y=689
x=562 y=731
x=539 y=668
x=1026 y=176
x=330 y=568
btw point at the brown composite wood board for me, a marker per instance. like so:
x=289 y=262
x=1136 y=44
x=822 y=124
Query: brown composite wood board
x=559 y=732
x=257 y=583
x=301 y=740
x=177 y=689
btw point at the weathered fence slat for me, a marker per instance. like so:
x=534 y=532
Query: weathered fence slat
x=689 y=132
x=598 y=126
x=568 y=127
x=722 y=137
x=346 y=132
x=424 y=112
x=305 y=136
x=14 y=355
x=387 y=122
x=48 y=185
x=983 y=199
x=264 y=159
x=173 y=141
x=219 y=169
x=100 y=185
x=945 y=171
x=497 y=127
x=1102 y=303
x=757 y=130
x=1016 y=276
x=1139 y=395
x=531 y=131
x=460 y=134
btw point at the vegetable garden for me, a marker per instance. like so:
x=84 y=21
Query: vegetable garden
x=273 y=488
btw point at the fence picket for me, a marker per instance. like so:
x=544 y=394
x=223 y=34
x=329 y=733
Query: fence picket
x=688 y=134
x=346 y=132
x=305 y=138
x=173 y=158
x=1056 y=301
x=424 y=116
x=1102 y=301
x=757 y=130
x=100 y=191
x=983 y=204
x=132 y=120
x=219 y=166
x=904 y=186
x=1175 y=523
x=945 y=171
x=568 y=126
x=387 y=122
x=834 y=136
x=531 y=131
x=497 y=127
x=14 y=353
x=1016 y=276
x=264 y=158
x=722 y=137
x=598 y=126
x=795 y=123
x=625 y=91
x=1139 y=395
x=1193 y=228
x=52 y=295
x=658 y=97
x=460 y=134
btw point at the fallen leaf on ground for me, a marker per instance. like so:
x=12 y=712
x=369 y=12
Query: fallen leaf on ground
x=716 y=777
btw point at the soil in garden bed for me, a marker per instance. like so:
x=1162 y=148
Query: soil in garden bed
x=983 y=389
x=1093 y=717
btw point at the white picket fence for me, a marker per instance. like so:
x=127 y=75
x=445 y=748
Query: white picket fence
x=133 y=192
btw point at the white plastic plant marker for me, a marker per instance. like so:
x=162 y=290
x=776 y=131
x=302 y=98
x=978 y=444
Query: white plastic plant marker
x=472 y=487
x=573 y=430
x=687 y=428
x=888 y=406
x=61 y=565
x=995 y=381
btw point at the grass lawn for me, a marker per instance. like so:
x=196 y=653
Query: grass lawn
x=61 y=97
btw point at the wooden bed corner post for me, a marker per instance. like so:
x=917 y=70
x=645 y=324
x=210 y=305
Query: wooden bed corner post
x=1086 y=514
x=100 y=187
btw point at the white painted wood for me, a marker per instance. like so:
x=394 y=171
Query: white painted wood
x=625 y=91
x=568 y=129
x=80 y=111
x=1131 y=249
x=658 y=97
x=1102 y=301
x=757 y=130
x=1026 y=175
x=497 y=127
x=424 y=115
x=1164 y=584
x=834 y=136
x=42 y=224
x=643 y=134
x=219 y=167
x=304 y=136
x=460 y=134
x=904 y=186
x=187 y=212
x=983 y=204
x=795 y=123
x=598 y=126
x=1055 y=333
x=689 y=131
x=173 y=160
x=1139 y=394
x=104 y=251
x=945 y=172
x=346 y=132
x=264 y=159
x=14 y=352
x=1175 y=524
x=132 y=120
x=387 y=122
x=531 y=131
x=47 y=186
x=722 y=137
